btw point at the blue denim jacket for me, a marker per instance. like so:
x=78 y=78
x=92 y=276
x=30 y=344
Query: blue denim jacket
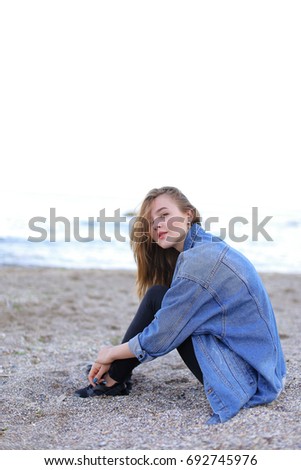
x=217 y=297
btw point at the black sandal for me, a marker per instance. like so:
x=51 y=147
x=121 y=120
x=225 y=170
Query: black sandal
x=101 y=389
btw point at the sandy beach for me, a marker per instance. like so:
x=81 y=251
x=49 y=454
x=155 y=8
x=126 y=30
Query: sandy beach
x=52 y=323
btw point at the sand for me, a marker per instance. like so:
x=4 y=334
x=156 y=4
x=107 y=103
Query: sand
x=52 y=323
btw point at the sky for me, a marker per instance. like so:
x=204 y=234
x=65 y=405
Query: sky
x=110 y=99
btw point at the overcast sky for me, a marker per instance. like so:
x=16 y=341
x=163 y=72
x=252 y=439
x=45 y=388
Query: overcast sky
x=111 y=99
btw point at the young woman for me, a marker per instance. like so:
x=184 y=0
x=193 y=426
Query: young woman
x=205 y=299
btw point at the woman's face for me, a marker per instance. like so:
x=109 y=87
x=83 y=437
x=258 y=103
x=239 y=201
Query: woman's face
x=169 y=225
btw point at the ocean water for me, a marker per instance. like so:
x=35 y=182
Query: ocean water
x=70 y=236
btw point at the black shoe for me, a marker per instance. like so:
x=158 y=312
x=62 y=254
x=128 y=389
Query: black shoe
x=128 y=382
x=100 y=389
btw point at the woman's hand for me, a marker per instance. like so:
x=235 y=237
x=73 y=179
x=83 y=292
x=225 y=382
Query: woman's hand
x=101 y=365
x=105 y=357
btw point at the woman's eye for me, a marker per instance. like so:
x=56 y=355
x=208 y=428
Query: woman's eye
x=156 y=221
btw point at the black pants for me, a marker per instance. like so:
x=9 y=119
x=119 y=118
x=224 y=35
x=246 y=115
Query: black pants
x=121 y=369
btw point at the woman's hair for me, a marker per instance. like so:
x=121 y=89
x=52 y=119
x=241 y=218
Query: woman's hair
x=155 y=265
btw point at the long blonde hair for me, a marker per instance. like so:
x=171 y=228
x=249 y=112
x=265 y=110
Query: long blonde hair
x=155 y=265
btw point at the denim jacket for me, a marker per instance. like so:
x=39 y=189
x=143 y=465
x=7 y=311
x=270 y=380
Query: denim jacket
x=218 y=299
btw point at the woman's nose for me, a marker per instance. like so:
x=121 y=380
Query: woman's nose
x=158 y=223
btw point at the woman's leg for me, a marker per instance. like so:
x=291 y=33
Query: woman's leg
x=117 y=378
x=186 y=352
x=151 y=303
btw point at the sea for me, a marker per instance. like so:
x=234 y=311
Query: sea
x=94 y=233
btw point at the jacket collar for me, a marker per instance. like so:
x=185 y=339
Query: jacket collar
x=195 y=232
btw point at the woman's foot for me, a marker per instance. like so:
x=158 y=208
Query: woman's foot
x=109 y=382
x=109 y=388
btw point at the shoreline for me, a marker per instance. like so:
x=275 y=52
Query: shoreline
x=53 y=321
x=127 y=269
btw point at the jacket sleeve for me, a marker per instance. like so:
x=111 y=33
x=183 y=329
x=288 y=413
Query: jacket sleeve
x=177 y=319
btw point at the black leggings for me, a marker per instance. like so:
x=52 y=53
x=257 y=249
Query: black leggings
x=121 y=369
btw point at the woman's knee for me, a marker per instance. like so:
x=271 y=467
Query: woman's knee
x=154 y=296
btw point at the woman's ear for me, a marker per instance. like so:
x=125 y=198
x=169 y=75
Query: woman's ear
x=189 y=215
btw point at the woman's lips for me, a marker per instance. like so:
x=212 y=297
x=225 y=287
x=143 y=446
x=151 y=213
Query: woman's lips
x=161 y=235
